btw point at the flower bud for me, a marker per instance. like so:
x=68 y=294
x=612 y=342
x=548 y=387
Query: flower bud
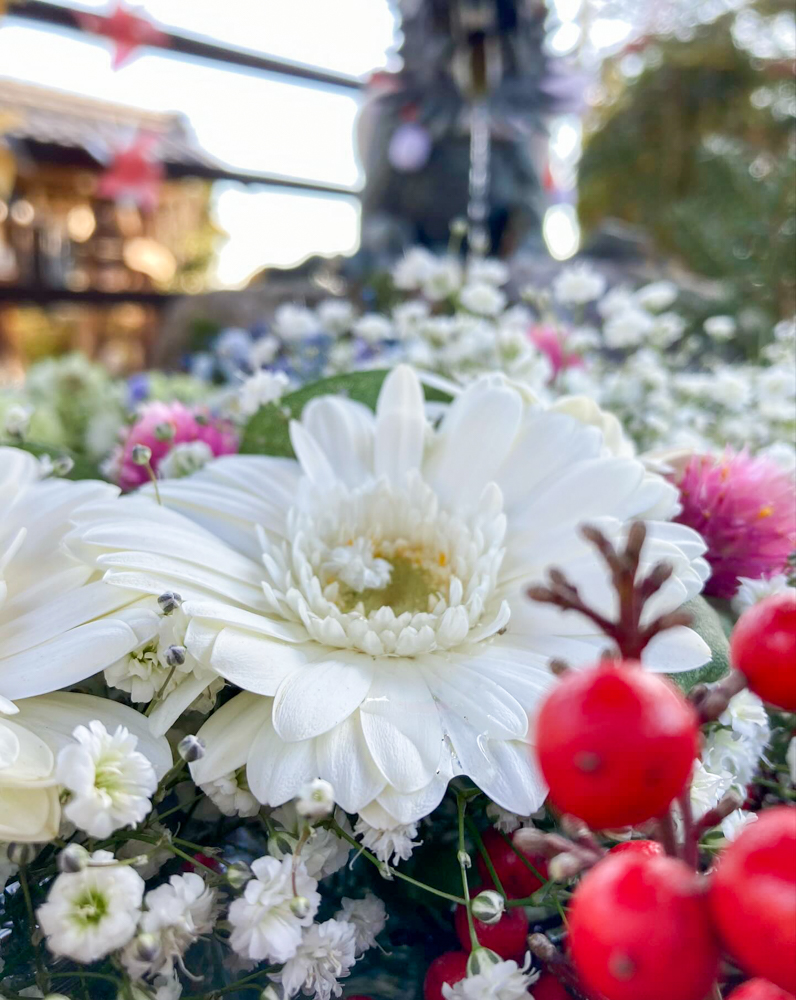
x=169 y=602
x=458 y=226
x=147 y=947
x=464 y=859
x=56 y=996
x=384 y=871
x=488 y=906
x=300 y=907
x=480 y=960
x=175 y=656
x=238 y=874
x=564 y=866
x=140 y=454
x=73 y=858
x=191 y=748
x=63 y=465
x=165 y=431
x=316 y=799
x=21 y=854
x=269 y=993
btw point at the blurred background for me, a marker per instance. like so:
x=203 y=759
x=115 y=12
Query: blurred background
x=175 y=168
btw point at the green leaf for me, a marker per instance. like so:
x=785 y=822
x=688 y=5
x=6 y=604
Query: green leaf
x=267 y=431
x=708 y=624
x=83 y=468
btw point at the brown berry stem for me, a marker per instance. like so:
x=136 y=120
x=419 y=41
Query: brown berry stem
x=712 y=700
x=556 y=963
x=666 y=832
x=690 y=834
x=627 y=632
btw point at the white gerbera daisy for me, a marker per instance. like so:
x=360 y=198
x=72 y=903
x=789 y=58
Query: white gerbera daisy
x=432 y=668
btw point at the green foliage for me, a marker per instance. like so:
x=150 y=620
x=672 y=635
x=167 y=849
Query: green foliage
x=267 y=432
x=708 y=624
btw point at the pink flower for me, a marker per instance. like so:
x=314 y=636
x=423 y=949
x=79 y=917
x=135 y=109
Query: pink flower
x=188 y=425
x=552 y=342
x=745 y=509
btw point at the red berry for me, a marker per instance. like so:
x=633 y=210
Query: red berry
x=763 y=648
x=647 y=848
x=517 y=879
x=203 y=859
x=616 y=744
x=506 y=938
x=449 y=968
x=753 y=897
x=759 y=989
x=640 y=927
x=549 y=988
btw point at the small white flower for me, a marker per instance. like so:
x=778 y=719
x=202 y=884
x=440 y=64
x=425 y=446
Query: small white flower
x=397 y=843
x=336 y=315
x=177 y=914
x=184 y=459
x=161 y=988
x=578 y=284
x=294 y=322
x=413 y=269
x=487 y=270
x=90 y=913
x=483 y=299
x=785 y=330
x=499 y=981
x=444 y=279
x=783 y=454
x=667 y=329
x=732 y=825
x=505 y=821
x=326 y=954
x=374 y=328
x=627 y=328
x=790 y=759
x=264 y=927
x=263 y=351
x=752 y=591
x=656 y=296
x=316 y=799
x=746 y=715
x=708 y=787
x=260 y=389
x=110 y=782
x=720 y=327
x=408 y=317
x=323 y=853
x=17 y=420
x=230 y=794
x=357 y=567
x=368 y=917
x=617 y=300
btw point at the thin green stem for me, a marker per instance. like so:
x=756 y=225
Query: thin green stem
x=461 y=805
x=485 y=855
x=159 y=817
x=41 y=975
x=86 y=975
x=340 y=832
x=240 y=984
x=154 y=479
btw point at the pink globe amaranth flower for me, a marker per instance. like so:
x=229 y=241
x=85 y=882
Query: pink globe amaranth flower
x=745 y=509
x=194 y=424
x=552 y=342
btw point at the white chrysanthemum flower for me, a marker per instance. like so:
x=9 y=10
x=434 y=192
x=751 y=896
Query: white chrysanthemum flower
x=323 y=852
x=578 y=284
x=316 y=799
x=176 y=915
x=161 y=667
x=109 y=781
x=231 y=795
x=413 y=269
x=656 y=296
x=326 y=954
x=627 y=328
x=387 y=692
x=752 y=591
x=373 y=328
x=260 y=389
x=389 y=845
x=294 y=323
x=368 y=916
x=90 y=913
x=52 y=635
x=720 y=327
x=336 y=315
x=487 y=270
x=498 y=981
x=482 y=298
x=264 y=927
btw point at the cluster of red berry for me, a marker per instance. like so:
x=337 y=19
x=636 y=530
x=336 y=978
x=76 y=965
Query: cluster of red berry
x=616 y=746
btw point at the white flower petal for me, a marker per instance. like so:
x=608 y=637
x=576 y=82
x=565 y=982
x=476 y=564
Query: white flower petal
x=314 y=699
x=229 y=734
x=400 y=426
x=345 y=761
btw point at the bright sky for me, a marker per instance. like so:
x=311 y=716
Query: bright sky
x=248 y=120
